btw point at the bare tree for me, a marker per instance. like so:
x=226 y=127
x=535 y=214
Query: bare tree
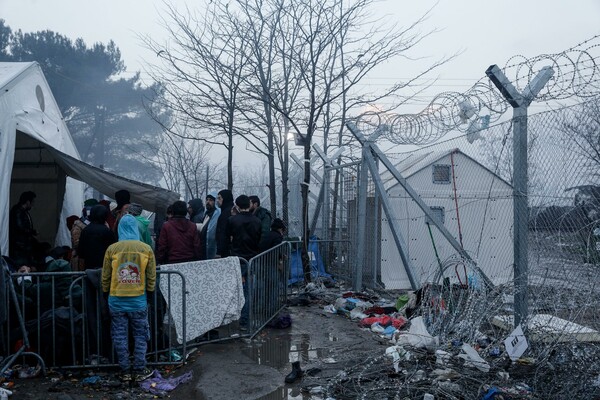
x=332 y=45
x=184 y=164
x=201 y=74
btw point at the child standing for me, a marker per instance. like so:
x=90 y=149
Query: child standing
x=128 y=279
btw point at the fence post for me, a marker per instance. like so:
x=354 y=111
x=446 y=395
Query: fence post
x=520 y=102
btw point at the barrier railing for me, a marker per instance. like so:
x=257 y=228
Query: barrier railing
x=266 y=283
x=66 y=318
x=67 y=322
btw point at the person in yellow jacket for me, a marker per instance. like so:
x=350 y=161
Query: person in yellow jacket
x=128 y=282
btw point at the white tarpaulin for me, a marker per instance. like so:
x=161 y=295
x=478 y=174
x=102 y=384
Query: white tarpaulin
x=215 y=295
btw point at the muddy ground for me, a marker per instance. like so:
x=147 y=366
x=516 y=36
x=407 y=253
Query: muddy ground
x=324 y=343
x=342 y=361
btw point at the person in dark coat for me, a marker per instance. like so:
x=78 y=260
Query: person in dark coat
x=22 y=241
x=244 y=231
x=262 y=214
x=196 y=211
x=225 y=202
x=95 y=239
x=274 y=236
x=179 y=238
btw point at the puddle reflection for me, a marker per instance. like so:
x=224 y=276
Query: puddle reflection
x=278 y=351
x=285 y=393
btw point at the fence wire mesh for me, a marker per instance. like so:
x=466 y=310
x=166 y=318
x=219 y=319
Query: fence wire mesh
x=466 y=182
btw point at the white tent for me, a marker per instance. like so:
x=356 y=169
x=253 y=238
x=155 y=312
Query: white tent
x=37 y=153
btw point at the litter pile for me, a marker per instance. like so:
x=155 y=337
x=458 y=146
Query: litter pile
x=447 y=343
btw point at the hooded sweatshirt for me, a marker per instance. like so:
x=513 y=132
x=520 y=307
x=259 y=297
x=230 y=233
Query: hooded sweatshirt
x=129 y=269
x=179 y=241
x=222 y=239
x=197 y=206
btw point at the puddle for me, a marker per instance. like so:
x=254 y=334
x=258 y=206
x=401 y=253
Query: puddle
x=285 y=393
x=278 y=351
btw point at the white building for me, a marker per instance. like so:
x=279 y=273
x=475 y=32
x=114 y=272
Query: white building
x=444 y=179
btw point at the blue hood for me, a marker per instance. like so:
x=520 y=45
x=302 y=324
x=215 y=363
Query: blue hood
x=128 y=228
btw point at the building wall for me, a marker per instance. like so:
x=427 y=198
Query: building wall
x=485 y=211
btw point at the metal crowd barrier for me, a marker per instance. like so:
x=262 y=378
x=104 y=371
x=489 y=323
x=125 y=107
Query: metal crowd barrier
x=68 y=325
x=267 y=280
x=66 y=319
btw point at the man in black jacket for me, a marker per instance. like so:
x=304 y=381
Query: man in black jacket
x=22 y=241
x=244 y=231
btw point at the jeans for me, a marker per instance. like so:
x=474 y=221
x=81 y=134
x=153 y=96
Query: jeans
x=120 y=336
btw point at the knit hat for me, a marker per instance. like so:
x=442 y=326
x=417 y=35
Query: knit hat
x=277 y=224
x=122 y=197
x=90 y=202
x=135 y=209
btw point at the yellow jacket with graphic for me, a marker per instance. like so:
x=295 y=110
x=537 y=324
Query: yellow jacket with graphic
x=129 y=268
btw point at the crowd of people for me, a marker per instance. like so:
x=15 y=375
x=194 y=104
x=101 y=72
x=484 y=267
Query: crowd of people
x=114 y=239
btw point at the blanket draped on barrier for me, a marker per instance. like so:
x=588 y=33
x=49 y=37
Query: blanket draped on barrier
x=214 y=295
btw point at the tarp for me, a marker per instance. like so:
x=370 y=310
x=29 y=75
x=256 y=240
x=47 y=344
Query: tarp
x=317 y=267
x=152 y=198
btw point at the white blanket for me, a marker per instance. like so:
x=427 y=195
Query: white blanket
x=214 y=295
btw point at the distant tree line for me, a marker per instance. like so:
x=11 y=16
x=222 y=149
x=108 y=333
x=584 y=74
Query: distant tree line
x=104 y=111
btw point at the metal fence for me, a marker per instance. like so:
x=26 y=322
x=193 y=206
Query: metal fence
x=62 y=317
x=67 y=323
x=266 y=283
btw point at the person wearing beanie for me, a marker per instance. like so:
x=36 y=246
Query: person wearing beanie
x=225 y=203
x=95 y=239
x=208 y=234
x=110 y=218
x=274 y=236
x=135 y=209
x=122 y=197
x=128 y=281
x=196 y=212
x=179 y=238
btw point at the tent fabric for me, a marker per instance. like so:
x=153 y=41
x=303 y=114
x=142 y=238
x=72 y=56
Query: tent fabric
x=37 y=153
x=152 y=198
x=28 y=108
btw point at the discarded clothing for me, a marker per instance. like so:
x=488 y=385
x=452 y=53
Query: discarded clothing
x=214 y=294
x=156 y=384
x=384 y=321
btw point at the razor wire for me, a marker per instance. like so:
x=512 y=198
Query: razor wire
x=576 y=74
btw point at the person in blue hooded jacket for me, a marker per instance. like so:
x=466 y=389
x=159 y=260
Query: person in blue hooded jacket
x=208 y=234
x=128 y=280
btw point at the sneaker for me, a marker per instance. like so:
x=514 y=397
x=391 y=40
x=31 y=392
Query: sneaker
x=142 y=375
x=125 y=377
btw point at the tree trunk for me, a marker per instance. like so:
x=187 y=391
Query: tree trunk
x=305 y=225
x=230 y=163
x=285 y=195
